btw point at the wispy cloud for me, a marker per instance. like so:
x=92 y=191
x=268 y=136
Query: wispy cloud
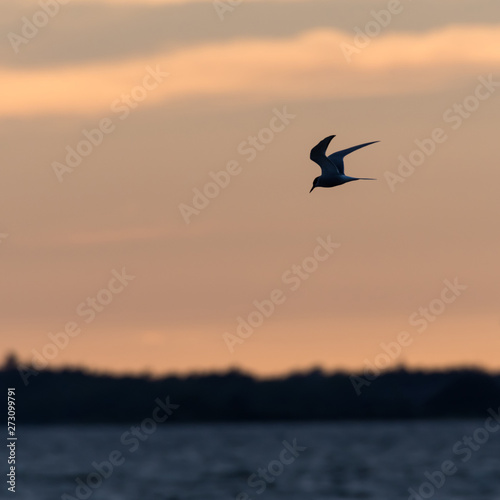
x=303 y=67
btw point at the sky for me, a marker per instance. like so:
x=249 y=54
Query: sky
x=156 y=214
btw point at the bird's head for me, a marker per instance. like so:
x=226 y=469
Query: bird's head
x=315 y=183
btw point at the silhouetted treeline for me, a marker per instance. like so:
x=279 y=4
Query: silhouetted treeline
x=77 y=396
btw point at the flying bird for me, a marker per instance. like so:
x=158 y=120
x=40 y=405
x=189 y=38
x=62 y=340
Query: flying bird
x=332 y=166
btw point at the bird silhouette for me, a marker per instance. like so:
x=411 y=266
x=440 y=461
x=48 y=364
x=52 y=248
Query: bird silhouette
x=332 y=166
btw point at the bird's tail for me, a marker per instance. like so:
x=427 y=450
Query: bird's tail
x=366 y=179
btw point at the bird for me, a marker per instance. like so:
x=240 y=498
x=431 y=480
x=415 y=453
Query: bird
x=332 y=166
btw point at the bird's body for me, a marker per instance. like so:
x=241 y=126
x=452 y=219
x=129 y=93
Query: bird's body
x=332 y=181
x=332 y=166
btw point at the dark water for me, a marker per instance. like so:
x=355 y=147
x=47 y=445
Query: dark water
x=378 y=461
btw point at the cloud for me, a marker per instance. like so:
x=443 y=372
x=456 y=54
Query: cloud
x=124 y=29
x=309 y=66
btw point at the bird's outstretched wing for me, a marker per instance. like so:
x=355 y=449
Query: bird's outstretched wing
x=337 y=158
x=319 y=151
x=318 y=155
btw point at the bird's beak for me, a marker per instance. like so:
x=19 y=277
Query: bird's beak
x=312 y=188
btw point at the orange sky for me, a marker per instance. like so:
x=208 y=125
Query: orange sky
x=116 y=116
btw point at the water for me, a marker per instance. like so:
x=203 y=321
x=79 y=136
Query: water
x=377 y=461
